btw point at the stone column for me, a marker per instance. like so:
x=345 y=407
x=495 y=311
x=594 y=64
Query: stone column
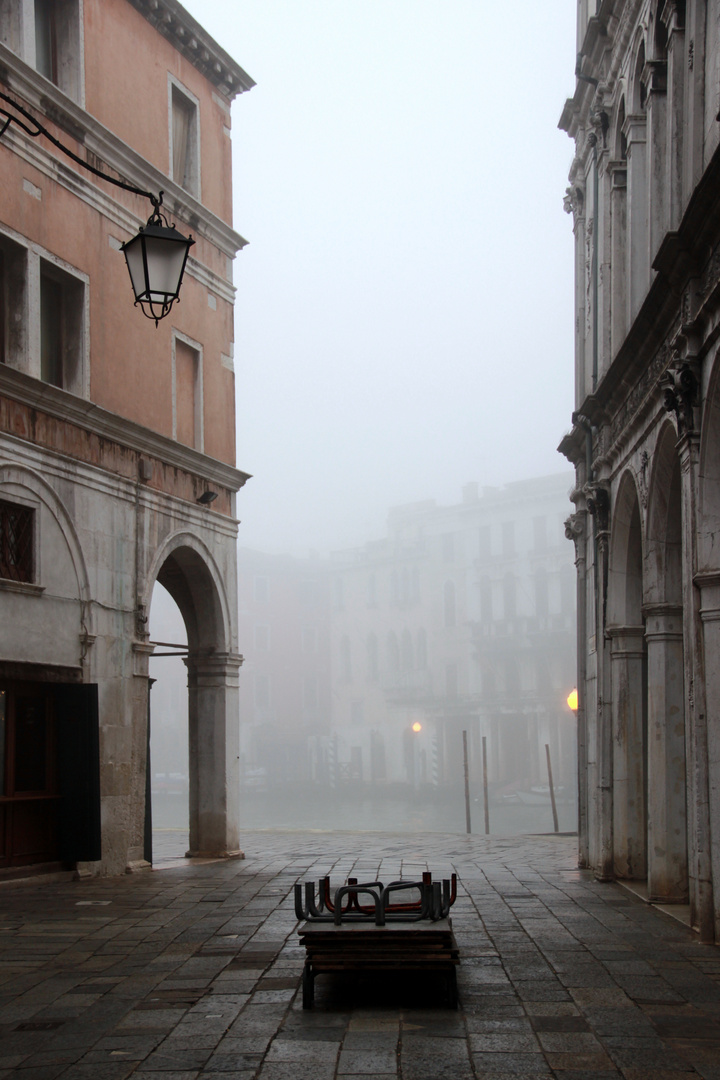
x=618 y=254
x=667 y=816
x=709 y=586
x=655 y=80
x=676 y=64
x=638 y=269
x=140 y=691
x=214 y=737
x=627 y=658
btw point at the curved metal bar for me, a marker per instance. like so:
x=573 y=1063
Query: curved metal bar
x=38 y=129
x=310 y=900
x=300 y=913
x=344 y=890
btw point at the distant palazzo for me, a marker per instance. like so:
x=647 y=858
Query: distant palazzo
x=112 y=430
x=645 y=442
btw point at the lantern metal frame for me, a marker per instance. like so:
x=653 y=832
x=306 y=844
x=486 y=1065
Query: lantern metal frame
x=154 y=303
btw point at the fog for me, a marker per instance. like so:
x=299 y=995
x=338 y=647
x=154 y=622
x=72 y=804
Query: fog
x=404 y=326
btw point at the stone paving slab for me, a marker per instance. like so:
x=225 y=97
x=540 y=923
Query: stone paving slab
x=192 y=972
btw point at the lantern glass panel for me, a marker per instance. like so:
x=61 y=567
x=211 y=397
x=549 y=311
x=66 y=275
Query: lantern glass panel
x=165 y=261
x=134 y=258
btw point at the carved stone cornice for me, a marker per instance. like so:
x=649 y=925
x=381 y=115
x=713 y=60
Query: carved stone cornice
x=64 y=406
x=189 y=38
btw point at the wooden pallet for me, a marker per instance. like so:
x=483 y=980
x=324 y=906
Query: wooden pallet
x=364 y=947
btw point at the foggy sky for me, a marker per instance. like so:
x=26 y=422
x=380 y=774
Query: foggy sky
x=404 y=317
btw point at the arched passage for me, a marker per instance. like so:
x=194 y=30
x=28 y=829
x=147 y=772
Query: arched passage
x=185 y=567
x=667 y=813
x=628 y=674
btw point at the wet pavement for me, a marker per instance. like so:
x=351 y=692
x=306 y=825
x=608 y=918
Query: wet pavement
x=193 y=971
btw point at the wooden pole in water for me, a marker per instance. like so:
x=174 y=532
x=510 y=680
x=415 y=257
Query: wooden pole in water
x=485 y=787
x=468 y=826
x=552 y=789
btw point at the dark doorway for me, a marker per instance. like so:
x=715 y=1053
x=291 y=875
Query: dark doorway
x=49 y=774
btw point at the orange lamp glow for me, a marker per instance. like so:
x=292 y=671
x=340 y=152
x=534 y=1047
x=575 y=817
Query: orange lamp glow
x=572 y=700
x=417 y=726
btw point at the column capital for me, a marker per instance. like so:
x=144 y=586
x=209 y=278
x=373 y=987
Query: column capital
x=626 y=640
x=664 y=622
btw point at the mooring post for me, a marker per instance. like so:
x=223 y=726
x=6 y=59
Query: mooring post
x=485 y=787
x=552 y=789
x=468 y=827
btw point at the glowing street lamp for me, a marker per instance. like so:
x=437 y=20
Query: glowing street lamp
x=417 y=727
x=572 y=700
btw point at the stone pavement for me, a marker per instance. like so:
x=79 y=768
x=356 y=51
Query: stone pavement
x=193 y=972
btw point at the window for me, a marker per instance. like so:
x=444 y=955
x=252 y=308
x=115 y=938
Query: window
x=262 y=691
x=187 y=393
x=484 y=542
x=357 y=715
x=509 y=596
x=372 y=591
x=310 y=692
x=448 y=547
x=261 y=590
x=449 y=603
x=486 y=598
x=309 y=592
x=309 y=640
x=421 y=649
x=62 y=303
x=508 y=538
x=345 y=659
x=541 y=593
x=57 y=43
x=13 y=294
x=392 y=652
x=262 y=638
x=184 y=154
x=372 y=658
x=451 y=680
x=16 y=542
x=406 y=651
x=540 y=533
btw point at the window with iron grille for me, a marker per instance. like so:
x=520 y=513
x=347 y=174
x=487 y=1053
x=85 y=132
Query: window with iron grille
x=16 y=542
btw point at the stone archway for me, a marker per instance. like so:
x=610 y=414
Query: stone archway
x=185 y=567
x=626 y=630
x=667 y=807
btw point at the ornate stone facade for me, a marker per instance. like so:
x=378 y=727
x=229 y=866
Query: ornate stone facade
x=646 y=432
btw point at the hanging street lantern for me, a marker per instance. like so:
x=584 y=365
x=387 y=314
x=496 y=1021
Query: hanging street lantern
x=572 y=700
x=156 y=260
x=156 y=257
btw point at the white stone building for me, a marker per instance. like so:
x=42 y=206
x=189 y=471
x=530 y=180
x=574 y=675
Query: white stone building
x=460 y=619
x=644 y=195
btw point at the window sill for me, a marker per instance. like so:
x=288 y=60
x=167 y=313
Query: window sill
x=26 y=587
